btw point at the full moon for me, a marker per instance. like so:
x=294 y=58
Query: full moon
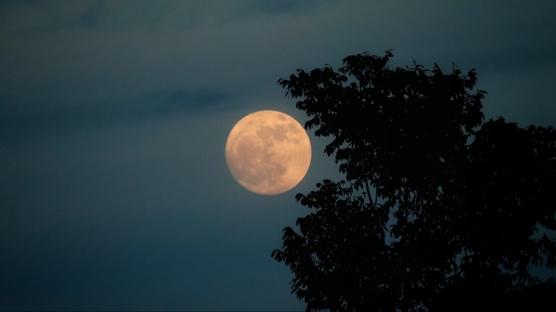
x=268 y=152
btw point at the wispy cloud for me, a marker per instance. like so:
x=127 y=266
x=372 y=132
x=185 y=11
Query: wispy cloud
x=91 y=53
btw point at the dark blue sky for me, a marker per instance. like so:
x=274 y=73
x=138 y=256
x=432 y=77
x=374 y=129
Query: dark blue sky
x=114 y=193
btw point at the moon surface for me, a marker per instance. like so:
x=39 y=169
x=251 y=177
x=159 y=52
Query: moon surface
x=268 y=152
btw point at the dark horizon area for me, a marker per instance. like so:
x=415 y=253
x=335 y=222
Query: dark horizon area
x=114 y=192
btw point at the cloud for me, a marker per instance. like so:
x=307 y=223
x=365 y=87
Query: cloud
x=20 y=120
x=91 y=55
x=179 y=99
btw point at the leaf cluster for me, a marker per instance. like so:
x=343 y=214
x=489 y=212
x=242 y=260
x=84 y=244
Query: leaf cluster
x=437 y=205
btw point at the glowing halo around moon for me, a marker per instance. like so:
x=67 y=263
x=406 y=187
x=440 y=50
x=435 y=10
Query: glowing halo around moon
x=268 y=152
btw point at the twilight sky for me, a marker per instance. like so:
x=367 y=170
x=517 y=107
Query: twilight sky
x=114 y=192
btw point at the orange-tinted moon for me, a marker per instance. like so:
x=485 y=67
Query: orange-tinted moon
x=268 y=152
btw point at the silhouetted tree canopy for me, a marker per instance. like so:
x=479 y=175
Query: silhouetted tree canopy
x=438 y=209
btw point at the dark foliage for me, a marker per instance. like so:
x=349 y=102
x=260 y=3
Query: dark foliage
x=438 y=210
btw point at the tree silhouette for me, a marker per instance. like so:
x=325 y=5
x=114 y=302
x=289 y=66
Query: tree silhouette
x=438 y=210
